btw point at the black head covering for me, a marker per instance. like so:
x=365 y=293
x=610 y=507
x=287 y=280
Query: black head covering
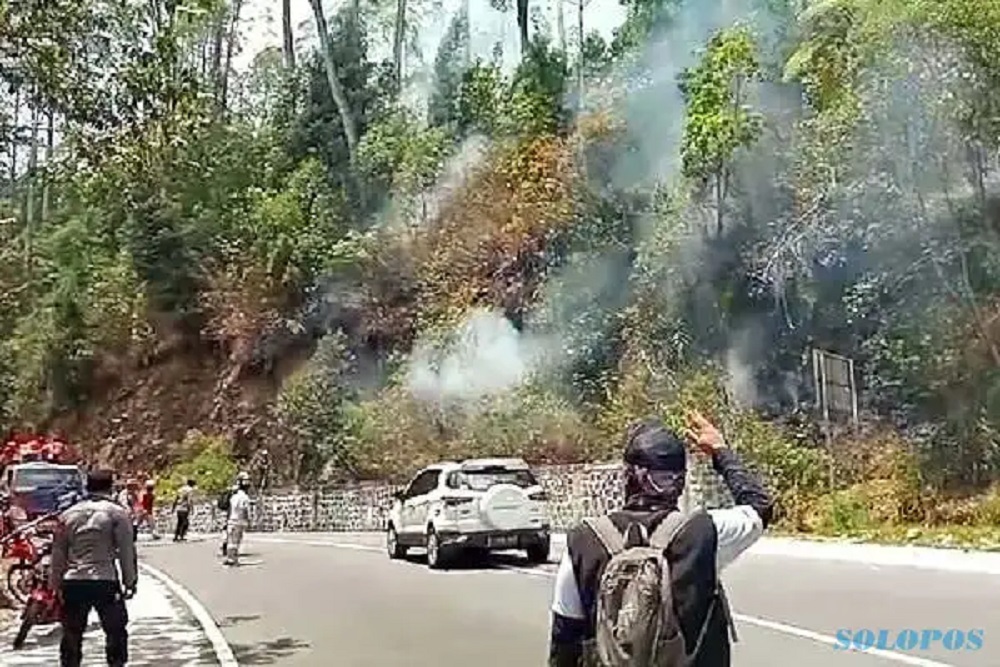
x=655 y=466
x=651 y=445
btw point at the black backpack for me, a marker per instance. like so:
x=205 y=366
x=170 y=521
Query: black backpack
x=224 y=499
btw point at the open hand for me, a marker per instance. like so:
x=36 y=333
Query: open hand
x=702 y=433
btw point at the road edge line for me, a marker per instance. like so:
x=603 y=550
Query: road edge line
x=223 y=651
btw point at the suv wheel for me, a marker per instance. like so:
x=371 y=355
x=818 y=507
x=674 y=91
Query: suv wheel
x=539 y=552
x=395 y=549
x=436 y=553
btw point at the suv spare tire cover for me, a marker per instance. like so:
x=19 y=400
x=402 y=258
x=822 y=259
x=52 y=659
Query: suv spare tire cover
x=505 y=507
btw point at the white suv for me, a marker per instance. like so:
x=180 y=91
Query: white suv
x=482 y=504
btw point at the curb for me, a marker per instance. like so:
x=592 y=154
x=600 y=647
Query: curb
x=219 y=644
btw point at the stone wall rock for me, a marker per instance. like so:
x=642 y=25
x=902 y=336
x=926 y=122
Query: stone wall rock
x=575 y=491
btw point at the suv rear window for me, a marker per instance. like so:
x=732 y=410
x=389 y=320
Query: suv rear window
x=480 y=480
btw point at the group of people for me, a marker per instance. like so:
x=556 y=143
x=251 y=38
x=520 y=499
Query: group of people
x=639 y=586
x=139 y=505
x=94 y=559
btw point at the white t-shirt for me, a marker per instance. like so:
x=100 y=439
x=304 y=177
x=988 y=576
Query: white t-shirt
x=239 y=507
x=737 y=529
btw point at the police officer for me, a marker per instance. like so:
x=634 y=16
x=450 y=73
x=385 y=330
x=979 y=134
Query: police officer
x=92 y=536
x=655 y=466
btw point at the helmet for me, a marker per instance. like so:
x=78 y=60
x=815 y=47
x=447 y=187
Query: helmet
x=243 y=478
x=150 y=484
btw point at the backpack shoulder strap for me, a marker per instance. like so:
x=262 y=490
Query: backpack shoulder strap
x=667 y=530
x=607 y=533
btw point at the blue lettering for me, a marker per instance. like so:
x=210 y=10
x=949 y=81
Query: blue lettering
x=864 y=640
x=927 y=637
x=883 y=640
x=974 y=640
x=843 y=640
x=908 y=640
x=954 y=639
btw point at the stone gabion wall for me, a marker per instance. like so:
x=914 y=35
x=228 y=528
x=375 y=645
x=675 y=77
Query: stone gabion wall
x=575 y=491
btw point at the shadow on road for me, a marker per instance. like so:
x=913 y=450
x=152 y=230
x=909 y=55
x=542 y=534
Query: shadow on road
x=230 y=621
x=267 y=652
x=481 y=561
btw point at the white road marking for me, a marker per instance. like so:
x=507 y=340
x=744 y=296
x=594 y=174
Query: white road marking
x=220 y=646
x=783 y=628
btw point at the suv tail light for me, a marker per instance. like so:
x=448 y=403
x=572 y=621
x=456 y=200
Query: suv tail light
x=539 y=496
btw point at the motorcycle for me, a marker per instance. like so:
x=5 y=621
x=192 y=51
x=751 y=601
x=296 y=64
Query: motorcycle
x=24 y=551
x=43 y=605
x=24 y=545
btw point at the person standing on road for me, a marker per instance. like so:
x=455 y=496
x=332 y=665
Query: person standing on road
x=146 y=503
x=91 y=537
x=128 y=499
x=239 y=519
x=695 y=547
x=183 y=504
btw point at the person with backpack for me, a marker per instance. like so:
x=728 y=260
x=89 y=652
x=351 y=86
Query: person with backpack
x=640 y=587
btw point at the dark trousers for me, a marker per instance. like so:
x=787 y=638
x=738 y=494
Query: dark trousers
x=183 y=521
x=79 y=597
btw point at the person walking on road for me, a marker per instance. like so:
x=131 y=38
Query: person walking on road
x=93 y=541
x=671 y=581
x=183 y=504
x=239 y=519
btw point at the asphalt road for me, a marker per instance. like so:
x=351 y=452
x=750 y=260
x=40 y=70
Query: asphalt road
x=337 y=599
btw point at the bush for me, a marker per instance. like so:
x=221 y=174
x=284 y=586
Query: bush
x=207 y=460
x=394 y=434
x=310 y=412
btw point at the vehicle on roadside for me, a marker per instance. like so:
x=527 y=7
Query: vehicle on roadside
x=42 y=606
x=479 y=505
x=39 y=488
x=39 y=475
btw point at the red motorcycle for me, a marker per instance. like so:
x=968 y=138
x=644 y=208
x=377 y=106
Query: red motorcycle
x=24 y=546
x=43 y=606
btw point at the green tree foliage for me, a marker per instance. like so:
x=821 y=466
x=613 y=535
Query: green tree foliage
x=816 y=178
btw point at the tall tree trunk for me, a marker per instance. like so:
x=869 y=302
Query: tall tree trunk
x=397 y=42
x=218 y=38
x=579 y=66
x=336 y=90
x=522 y=24
x=230 y=46
x=29 y=207
x=14 y=139
x=561 y=25
x=286 y=33
x=50 y=134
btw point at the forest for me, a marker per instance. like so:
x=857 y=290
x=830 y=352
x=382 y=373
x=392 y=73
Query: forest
x=366 y=255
